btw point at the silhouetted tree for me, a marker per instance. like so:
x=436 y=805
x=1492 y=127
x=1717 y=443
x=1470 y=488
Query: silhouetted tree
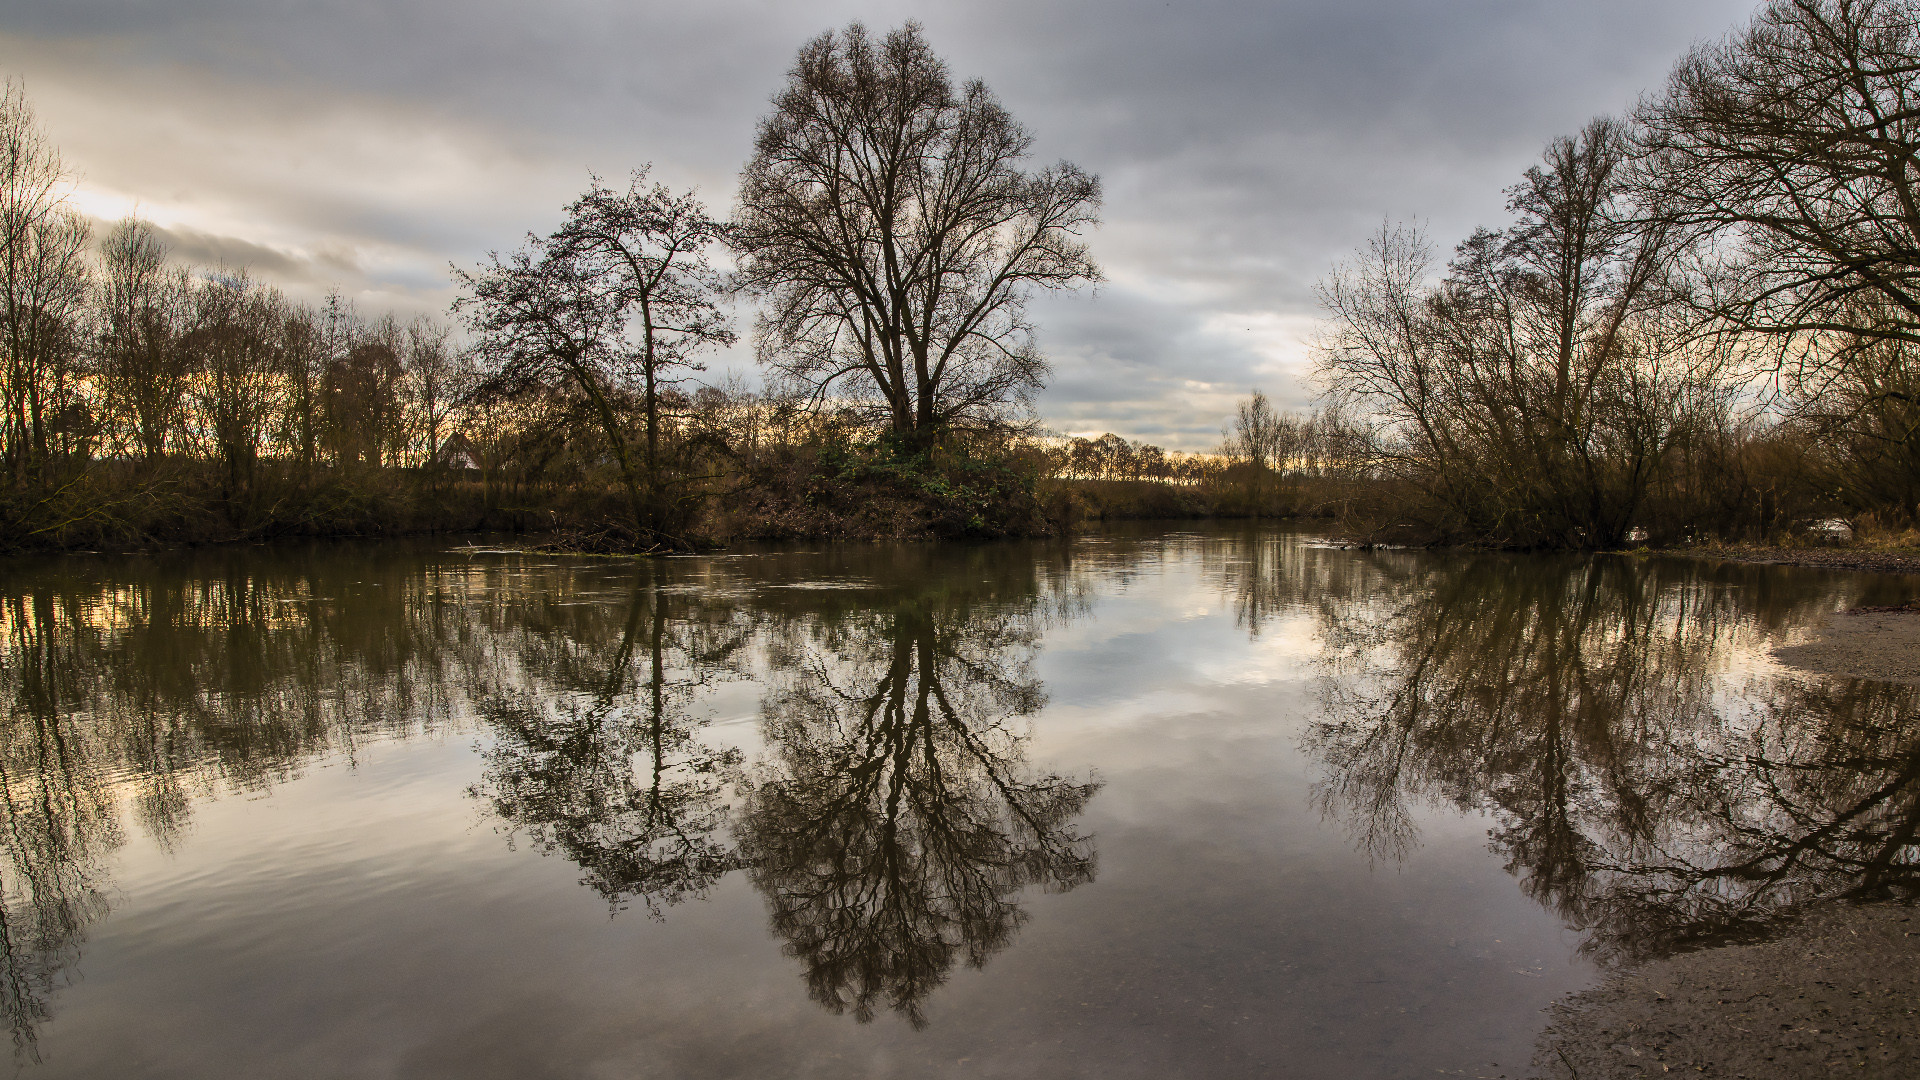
x=1787 y=154
x=145 y=308
x=1794 y=146
x=651 y=245
x=1533 y=397
x=887 y=227
x=237 y=384
x=43 y=295
x=547 y=314
x=439 y=376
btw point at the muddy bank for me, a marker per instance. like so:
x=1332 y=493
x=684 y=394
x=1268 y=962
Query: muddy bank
x=1867 y=644
x=1830 y=558
x=1838 y=993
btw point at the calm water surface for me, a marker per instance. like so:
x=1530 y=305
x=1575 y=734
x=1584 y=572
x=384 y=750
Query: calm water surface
x=1150 y=804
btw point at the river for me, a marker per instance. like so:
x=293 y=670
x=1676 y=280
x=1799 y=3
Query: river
x=1195 y=802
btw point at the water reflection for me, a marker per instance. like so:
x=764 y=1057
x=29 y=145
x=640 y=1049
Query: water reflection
x=56 y=821
x=892 y=820
x=600 y=759
x=890 y=816
x=1637 y=783
x=126 y=697
x=896 y=821
x=875 y=781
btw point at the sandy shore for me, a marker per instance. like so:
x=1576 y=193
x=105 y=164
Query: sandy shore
x=1836 y=997
x=1831 y=558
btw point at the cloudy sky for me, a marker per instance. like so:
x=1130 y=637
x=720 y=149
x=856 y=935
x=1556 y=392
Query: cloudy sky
x=1245 y=146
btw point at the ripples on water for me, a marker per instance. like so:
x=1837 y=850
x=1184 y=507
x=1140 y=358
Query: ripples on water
x=1205 y=804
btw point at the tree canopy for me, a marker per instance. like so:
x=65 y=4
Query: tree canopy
x=885 y=222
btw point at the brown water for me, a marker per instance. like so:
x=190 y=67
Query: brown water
x=1158 y=803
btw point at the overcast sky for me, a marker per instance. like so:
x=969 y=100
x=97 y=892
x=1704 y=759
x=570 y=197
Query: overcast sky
x=1245 y=146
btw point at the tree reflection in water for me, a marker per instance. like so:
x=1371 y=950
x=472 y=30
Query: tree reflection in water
x=129 y=695
x=57 y=821
x=895 y=822
x=892 y=824
x=1637 y=786
x=1638 y=782
x=604 y=763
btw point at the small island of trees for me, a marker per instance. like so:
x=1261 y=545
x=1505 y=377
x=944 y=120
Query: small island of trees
x=1699 y=324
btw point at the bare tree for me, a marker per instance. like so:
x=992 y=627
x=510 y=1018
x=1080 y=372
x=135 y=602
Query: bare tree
x=547 y=314
x=143 y=311
x=1255 y=434
x=235 y=344
x=438 y=376
x=1790 y=152
x=361 y=390
x=651 y=247
x=1534 y=394
x=885 y=222
x=1793 y=148
x=303 y=364
x=1269 y=441
x=43 y=285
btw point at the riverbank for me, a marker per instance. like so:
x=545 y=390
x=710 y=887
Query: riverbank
x=1872 y=560
x=1869 y=643
x=827 y=492
x=1839 y=990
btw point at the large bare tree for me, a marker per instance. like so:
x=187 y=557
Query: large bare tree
x=1791 y=149
x=887 y=226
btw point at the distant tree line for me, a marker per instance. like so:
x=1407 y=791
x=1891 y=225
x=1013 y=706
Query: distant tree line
x=1702 y=320
x=1270 y=463
x=136 y=390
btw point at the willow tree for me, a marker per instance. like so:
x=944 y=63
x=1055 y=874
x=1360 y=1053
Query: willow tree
x=894 y=240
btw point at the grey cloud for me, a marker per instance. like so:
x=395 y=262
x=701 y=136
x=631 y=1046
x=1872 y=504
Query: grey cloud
x=206 y=249
x=1131 y=364
x=1245 y=144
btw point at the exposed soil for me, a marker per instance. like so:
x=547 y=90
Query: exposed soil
x=1831 y=558
x=1869 y=643
x=1837 y=996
